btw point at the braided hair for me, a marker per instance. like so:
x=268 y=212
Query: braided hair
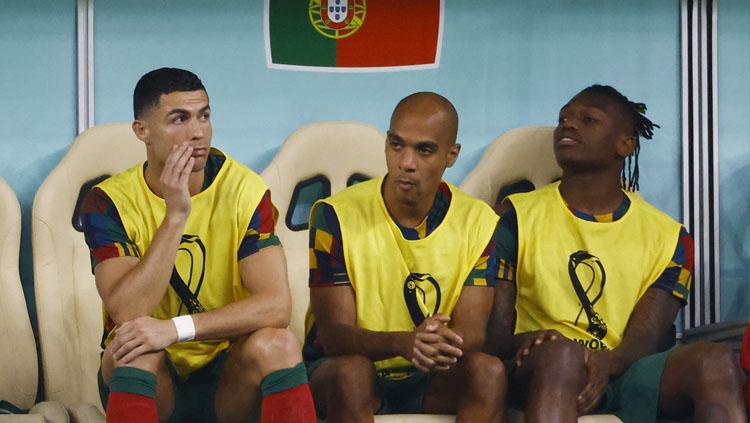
x=642 y=127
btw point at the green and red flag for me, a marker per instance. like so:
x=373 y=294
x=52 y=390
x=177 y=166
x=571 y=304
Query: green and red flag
x=353 y=35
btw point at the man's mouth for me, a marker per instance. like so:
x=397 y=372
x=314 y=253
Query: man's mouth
x=199 y=152
x=405 y=184
x=566 y=141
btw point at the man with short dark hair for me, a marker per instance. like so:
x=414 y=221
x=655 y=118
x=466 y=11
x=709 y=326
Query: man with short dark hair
x=192 y=277
x=398 y=276
x=592 y=279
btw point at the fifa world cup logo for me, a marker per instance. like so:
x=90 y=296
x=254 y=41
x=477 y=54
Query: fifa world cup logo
x=588 y=278
x=422 y=296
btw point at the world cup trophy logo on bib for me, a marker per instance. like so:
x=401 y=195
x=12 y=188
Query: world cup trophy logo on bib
x=422 y=295
x=188 y=273
x=337 y=18
x=588 y=278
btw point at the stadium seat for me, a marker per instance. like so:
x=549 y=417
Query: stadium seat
x=314 y=162
x=18 y=358
x=68 y=306
x=518 y=160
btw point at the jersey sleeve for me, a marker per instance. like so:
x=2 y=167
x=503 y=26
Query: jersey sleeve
x=103 y=229
x=678 y=276
x=260 y=231
x=327 y=264
x=506 y=246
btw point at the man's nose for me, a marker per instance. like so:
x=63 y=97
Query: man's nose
x=407 y=161
x=196 y=129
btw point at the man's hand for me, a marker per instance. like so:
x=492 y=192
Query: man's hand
x=435 y=346
x=533 y=339
x=140 y=336
x=598 y=365
x=174 y=181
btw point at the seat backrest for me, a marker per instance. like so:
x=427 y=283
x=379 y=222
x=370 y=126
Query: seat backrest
x=521 y=154
x=68 y=304
x=332 y=153
x=18 y=360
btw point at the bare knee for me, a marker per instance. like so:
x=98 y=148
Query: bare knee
x=345 y=386
x=716 y=365
x=152 y=362
x=558 y=362
x=270 y=349
x=351 y=371
x=350 y=378
x=484 y=373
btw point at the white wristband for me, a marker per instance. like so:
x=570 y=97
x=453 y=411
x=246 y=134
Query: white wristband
x=185 y=328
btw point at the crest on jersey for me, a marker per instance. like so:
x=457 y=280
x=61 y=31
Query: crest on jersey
x=337 y=18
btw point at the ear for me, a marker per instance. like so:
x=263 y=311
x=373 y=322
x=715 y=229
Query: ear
x=453 y=154
x=141 y=131
x=626 y=145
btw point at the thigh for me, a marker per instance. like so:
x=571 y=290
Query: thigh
x=341 y=377
x=678 y=377
x=441 y=394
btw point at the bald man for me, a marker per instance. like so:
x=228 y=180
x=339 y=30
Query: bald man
x=400 y=284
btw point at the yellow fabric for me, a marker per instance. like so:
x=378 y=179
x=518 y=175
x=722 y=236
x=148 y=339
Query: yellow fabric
x=632 y=251
x=218 y=221
x=379 y=259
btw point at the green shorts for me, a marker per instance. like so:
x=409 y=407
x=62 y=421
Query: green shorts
x=193 y=397
x=633 y=397
x=402 y=396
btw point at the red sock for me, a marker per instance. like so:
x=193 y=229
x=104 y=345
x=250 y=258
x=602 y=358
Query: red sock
x=287 y=397
x=132 y=396
x=124 y=407
x=293 y=405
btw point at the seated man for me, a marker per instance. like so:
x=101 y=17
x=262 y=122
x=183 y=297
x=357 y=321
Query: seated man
x=592 y=280
x=399 y=275
x=193 y=279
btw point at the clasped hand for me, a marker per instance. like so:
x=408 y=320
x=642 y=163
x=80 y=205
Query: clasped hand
x=435 y=346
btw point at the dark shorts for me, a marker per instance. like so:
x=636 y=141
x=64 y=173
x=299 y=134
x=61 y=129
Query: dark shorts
x=633 y=397
x=402 y=396
x=193 y=397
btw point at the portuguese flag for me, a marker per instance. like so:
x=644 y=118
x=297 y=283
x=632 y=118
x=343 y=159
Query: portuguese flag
x=353 y=35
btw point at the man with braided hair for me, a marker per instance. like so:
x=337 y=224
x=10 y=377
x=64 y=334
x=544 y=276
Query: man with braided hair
x=592 y=277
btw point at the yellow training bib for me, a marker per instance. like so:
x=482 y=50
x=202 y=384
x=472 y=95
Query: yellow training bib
x=206 y=262
x=584 y=278
x=398 y=282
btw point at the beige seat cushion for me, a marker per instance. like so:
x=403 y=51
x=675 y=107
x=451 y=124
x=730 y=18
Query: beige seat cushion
x=68 y=305
x=334 y=150
x=18 y=359
x=519 y=154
